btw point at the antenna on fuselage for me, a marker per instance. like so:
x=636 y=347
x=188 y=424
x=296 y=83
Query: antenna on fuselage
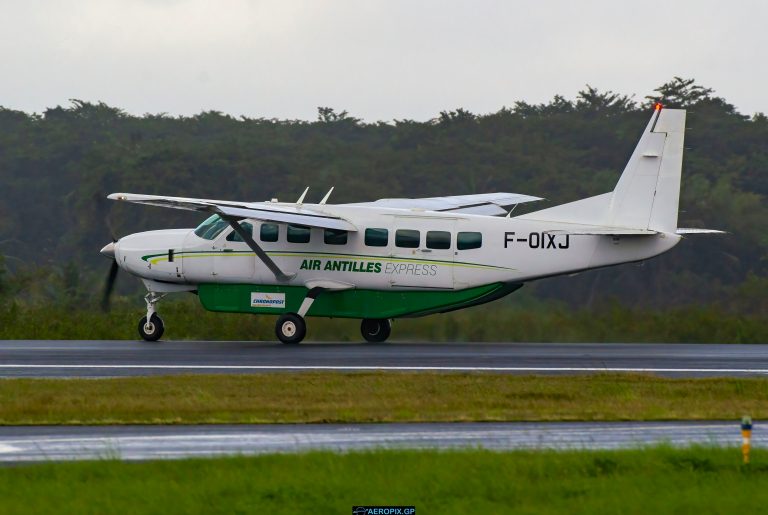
x=301 y=198
x=327 y=195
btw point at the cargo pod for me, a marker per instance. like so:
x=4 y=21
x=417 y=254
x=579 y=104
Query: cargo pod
x=277 y=300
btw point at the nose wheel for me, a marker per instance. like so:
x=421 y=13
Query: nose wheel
x=153 y=330
x=151 y=326
x=291 y=328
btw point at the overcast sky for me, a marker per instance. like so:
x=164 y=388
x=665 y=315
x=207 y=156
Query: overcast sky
x=379 y=60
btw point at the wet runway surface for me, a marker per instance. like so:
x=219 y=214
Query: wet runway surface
x=72 y=358
x=40 y=443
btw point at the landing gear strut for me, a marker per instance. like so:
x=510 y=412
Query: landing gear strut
x=376 y=330
x=151 y=326
x=291 y=327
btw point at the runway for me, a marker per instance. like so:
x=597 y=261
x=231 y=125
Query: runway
x=103 y=358
x=41 y=443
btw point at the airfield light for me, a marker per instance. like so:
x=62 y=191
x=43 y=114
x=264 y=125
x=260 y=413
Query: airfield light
x=658 y=106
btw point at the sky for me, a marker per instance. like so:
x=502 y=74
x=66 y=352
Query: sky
x=376 y=59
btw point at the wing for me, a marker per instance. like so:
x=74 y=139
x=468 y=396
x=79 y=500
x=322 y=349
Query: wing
x=492 y=204
x=266 y=211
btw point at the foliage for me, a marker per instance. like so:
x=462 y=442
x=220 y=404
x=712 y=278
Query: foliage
x=57 y=167
x=66 y=318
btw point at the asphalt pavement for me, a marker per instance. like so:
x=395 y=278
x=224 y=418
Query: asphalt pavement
x=103 y=358
x=56 y=443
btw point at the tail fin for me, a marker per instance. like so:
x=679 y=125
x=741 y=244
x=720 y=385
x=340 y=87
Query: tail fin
x=648 y=192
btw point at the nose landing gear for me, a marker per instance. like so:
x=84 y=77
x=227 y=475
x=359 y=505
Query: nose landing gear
x=151 y=326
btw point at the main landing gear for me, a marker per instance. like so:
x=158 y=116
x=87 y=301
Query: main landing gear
x=292 y=328
x=151 y=326
x=376 y=330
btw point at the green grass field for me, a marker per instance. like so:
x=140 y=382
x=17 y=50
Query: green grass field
x=503 y=321
x=376 y=397
x=657 y=480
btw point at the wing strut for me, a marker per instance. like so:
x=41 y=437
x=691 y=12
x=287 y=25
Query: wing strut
x=279 y=275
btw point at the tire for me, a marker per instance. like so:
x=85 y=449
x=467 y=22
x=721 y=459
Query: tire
x=376 y=330
x=155 y=330
x=290 y=328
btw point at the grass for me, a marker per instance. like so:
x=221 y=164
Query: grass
x=503 y=321
x=655 y=480
x=376 y=397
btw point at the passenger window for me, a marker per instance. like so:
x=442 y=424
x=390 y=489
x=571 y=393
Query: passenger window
x=233 y=236
x=335 y=237
x=298 y=234
x=469 y=240
x=376 y=237
x=269 y=232
x=407 y=238
x=438 y=240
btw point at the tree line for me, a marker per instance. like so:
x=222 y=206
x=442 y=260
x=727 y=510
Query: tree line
x=57 y=167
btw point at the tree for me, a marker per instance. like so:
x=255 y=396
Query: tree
x=680 y=93
x=609 y=103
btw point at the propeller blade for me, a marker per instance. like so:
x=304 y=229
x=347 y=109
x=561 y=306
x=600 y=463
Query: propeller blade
x=110 y=228
x=109 y=286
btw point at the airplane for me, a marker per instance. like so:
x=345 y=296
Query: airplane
x=401 y=257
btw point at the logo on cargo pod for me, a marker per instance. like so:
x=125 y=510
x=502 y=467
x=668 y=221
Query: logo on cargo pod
x=267 y=300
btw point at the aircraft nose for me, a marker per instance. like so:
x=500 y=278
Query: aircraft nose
x=109 y=250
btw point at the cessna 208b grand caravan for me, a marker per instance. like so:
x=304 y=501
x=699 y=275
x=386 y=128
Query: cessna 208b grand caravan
x=393 y=258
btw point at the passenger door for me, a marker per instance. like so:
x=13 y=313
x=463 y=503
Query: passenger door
x=423 y=251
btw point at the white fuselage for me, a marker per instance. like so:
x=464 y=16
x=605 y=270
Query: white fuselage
x=512 y=250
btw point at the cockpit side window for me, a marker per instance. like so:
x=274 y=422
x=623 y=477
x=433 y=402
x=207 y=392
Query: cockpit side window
x=211 y=227
x=233 y=236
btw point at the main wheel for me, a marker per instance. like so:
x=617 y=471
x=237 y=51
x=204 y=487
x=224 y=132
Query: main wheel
x=290 y=328
x=376 y=330
x=153 y=330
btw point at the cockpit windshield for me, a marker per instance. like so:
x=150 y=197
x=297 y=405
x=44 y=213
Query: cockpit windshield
x=211 y=227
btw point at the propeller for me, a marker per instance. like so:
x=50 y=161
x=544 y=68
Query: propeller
x=109 y=286
x=109 y=251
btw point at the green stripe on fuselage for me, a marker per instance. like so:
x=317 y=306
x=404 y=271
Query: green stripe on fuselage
x=157 y=258
x=236 y=298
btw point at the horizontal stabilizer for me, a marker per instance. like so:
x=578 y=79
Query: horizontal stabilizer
x=608 y=231
x=698 y=231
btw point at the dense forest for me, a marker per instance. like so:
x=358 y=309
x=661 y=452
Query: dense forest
x=57 y=167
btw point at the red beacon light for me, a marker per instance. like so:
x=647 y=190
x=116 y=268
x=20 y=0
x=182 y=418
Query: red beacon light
x=658 y=106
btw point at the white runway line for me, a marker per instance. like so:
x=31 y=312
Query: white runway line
x=390 y=368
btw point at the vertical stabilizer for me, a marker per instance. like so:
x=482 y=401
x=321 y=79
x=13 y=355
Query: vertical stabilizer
x=648 y=192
